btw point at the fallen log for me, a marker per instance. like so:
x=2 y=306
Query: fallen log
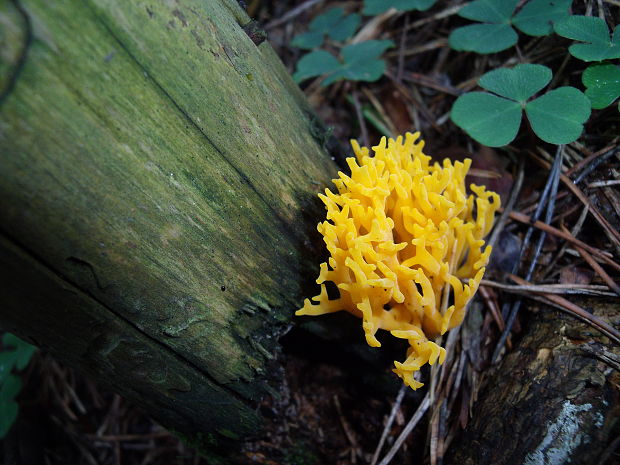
x=552 y=400
x=158 y=179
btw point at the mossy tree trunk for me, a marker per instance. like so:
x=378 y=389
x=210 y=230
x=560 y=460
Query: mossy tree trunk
x=158 y=171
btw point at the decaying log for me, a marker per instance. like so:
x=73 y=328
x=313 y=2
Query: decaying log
x=158 y=179
x=554 y=399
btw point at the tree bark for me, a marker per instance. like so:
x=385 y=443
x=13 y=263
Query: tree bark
x=552 y=400
x=158 y=174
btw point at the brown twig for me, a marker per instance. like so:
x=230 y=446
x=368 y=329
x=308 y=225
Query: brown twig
x=416 y=417
x=426 y=81
x=372 y=28
x=576 y=310
x=432 y=45
x=360 y=118
x=492 y=304
x=440 y=15
x=419 y=105
x=292 y=14
x=434 y=431
x=388 y=424
x=129 y=437
x=611 y=232
x=347 y=431
x=604 y=256
x=560 y=289
x=574 y=232
x=589 y=159
x=512 y=199
x=598 y=269
x=380 y=110
x=401 y=51
x=607 y=183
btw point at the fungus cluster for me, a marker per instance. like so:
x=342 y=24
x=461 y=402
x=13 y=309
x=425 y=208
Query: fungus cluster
x=406 y=245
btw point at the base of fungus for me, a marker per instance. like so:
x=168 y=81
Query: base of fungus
x=403 y=234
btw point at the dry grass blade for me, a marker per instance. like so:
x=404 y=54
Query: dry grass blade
x=130 y=437
x=604 y=256
x=512 y=200
x=354 y=450
x=292 y=14
x=388 y=424
x=562 y=289
x=418 y=104
x=492 y=305
x=547 y=203
x=373 y=27
x=431 y=83
x=611 y=232
x=611 y=182
x=439 y=15
x=591 y=162
x=379 y=108
x=597 y=268
x=576 y=310
x=574 y=232
x=442 y=391
x=360 y=118
x=402 y=43
x=432 y=45
x=417 y=416
x=434 y=428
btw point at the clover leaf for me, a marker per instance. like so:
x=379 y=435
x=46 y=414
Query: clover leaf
x=496 y=32
x=359 y=62
x=518 y=83
x=594 y=33
x=376 y=7
x=493 y=35
x=8 y=407
x=21 y=350
x=558 y=116
x=483 y=38
x=602 y=84
x=333 y=23
x=487 y=118
x=537 y=17
x=489 y=11
x=315 y=64
x=15 y=354
x=494 y=119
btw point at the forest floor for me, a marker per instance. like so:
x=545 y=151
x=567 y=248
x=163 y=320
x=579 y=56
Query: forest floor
x=335 y=410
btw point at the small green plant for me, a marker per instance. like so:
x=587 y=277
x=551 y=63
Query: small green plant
x=15 y=355
x=602 y=81
x=594 y=33
x=356 y=62
x=494 y=119
x=333 y=24
x=497 y=17
x=602 y=84
x=376 y=7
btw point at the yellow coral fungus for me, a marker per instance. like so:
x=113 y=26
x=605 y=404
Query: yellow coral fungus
x=403 y=234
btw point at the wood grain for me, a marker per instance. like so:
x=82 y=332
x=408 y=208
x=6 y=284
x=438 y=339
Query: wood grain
x=158 y=164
